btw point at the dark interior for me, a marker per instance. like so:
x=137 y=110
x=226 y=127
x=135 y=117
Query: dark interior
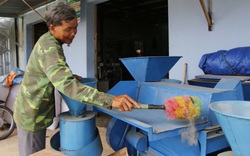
x=129 y=28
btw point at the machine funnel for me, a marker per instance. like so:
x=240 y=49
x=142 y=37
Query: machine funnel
x=149 y=68
x=77 y=108
x=234 y=118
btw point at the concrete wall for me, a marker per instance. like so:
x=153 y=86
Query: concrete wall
x=189 y=36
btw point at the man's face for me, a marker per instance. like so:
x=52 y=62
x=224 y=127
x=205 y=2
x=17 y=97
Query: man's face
x=66 y=32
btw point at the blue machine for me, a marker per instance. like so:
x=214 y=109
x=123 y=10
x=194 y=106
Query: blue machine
x=78 y=134
x=77 y=108
x=209 y=80
x=150 y=132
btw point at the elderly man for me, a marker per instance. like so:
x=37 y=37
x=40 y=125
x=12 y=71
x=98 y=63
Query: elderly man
x=47 y=70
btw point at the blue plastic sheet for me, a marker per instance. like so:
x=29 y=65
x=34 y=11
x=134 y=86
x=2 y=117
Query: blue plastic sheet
x=18 y=78
x=227 y=62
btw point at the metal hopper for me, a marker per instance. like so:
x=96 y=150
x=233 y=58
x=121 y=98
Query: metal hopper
x=77 y=108
x=234 y=118
x=151 y=68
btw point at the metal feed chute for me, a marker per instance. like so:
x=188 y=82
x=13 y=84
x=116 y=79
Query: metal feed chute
x=149 y=69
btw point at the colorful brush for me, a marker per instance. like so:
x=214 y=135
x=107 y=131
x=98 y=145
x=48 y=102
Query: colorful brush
x=183 y=107
x=180 y=107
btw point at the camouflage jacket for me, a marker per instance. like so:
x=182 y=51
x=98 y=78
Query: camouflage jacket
x=34 y=107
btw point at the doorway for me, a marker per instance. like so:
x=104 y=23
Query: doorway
x=129 y=28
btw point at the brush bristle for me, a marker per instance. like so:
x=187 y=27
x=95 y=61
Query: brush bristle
x=183 y=107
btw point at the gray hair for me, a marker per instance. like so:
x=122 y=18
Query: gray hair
x=58 y=13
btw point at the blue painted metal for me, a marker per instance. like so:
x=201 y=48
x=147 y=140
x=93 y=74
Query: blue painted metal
x=149 y=69
x=120 y=134
x=95 y=146
x=173 y=146
x=234 y=118
x=77 y=108
x=137 y=140
x=77 y=136
x=69 y=130
x=155 y=124
x=212 y=80
x=163 y=134
x=172 y=81
x=125 y=87
x=116 y=135
x=231 y=83
x=212 y=140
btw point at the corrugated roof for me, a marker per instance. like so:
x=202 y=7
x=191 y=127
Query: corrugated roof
x=14 y=8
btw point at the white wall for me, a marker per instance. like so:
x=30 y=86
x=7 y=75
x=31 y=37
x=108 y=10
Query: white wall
x=189 y=36
x=25 y=35
x=76 y=54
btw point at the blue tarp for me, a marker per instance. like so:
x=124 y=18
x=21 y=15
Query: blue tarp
x=17 y=79
x=227 y=62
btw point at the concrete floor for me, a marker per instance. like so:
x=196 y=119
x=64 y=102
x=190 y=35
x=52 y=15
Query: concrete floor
x=9 y=146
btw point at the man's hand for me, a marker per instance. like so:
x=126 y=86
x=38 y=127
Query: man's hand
x=77 y=77
x=124 y=103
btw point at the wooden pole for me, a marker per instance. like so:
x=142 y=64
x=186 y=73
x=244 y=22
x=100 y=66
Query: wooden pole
x=208 y=17
x=185 y=74
x=34 y=10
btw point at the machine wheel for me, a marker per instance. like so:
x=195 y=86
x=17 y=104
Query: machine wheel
x=116 y=136
x=7 y=124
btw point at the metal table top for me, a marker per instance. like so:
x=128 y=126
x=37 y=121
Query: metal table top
x=154 y=122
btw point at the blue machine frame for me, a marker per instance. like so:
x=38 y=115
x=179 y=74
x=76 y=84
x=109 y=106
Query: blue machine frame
x=150 y=132
x=162 y=134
